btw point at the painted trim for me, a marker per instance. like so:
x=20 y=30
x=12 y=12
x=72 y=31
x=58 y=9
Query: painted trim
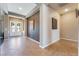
x=16 y=17
x=33 y=40
x=49 y=44
x=33 y=11
x=69 y=39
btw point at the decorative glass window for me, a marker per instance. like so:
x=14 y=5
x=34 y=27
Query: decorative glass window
x=12 y=25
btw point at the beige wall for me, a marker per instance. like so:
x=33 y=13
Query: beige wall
x=25 y=28
x=3 y=7
x=68 y=27
x=47 y=34
x=6 y=27
x=54 y=33
x=78 y=29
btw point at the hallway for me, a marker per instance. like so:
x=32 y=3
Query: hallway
x=20 y=46
x=43 y=23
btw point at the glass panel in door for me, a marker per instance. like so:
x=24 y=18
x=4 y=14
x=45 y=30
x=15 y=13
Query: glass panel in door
x=16 y=28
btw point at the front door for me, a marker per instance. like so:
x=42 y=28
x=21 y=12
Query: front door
x=16 y=28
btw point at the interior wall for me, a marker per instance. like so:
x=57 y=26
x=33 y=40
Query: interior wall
x=44 y=25
x=47 y=34
x=5 y=18
x=68 y=27
x=1 y=26
x=55 y=33
x=1 y=20
x=25 y=27
x=78 y=31
x=6 y=32
x=78 y=27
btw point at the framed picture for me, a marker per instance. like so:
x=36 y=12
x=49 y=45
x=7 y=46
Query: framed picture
x=77 y=12
x=54 y=23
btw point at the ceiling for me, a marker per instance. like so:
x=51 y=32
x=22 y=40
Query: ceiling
x=26 y=8
x=21 y=8
x=60 y=7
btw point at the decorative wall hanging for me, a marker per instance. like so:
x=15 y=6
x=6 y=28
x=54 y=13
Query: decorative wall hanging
x=54 y=23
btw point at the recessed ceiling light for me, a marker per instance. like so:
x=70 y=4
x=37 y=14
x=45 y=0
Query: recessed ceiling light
x=66 y=10
x=20 y=8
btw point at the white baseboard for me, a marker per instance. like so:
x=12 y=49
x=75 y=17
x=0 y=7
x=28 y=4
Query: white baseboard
x=69 y=39
x=33 y=40
x=50 y=43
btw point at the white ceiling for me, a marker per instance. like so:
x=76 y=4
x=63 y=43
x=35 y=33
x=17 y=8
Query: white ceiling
x=26 y=8
x=60 y=7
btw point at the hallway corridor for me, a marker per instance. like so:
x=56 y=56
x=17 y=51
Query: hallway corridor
x=20 y=46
